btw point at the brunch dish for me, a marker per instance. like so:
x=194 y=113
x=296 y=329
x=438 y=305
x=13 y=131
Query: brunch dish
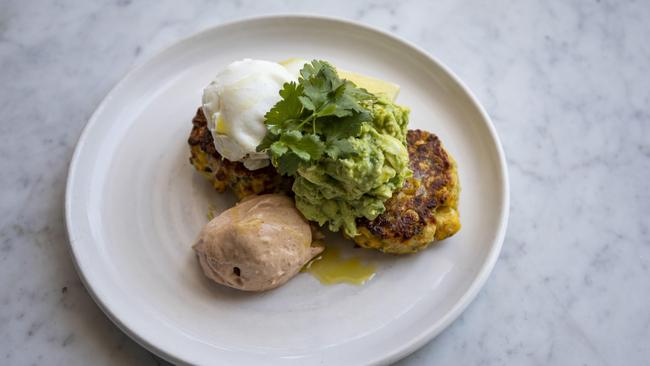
x=340 y=147
x=328 y=230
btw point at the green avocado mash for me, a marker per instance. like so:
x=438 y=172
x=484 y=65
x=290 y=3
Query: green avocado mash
x=337 y=191
x=345 y=147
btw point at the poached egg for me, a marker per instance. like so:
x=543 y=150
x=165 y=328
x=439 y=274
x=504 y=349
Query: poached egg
x=235 y=103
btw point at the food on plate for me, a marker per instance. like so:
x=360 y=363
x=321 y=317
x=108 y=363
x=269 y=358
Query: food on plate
x=257 y=245
x=425 y=209
x=345 y=147
x=302 y=142
x=223 y=173
x=234 y=105
x=431 y=194
x=373 y=85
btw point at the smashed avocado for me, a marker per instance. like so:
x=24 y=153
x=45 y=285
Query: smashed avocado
x=337 y=191
x=345 y=147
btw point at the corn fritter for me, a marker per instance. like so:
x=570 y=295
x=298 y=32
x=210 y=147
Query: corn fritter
x=423 y=211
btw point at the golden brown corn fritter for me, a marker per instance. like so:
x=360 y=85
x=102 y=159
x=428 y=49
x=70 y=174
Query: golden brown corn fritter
x=423 y=211
x=223 y=173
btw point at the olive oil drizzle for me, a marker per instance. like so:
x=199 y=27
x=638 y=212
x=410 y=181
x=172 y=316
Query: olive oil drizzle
x=331 y=268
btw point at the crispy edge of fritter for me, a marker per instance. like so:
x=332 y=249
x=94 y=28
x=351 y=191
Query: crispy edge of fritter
x=223 y=173
x=425 y=209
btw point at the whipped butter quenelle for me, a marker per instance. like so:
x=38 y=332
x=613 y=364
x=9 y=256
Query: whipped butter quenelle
x=257 y=245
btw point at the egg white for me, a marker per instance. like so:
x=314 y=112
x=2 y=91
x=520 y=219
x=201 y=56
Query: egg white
x=235 y=103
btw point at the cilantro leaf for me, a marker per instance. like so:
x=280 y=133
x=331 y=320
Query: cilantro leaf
x=305 y=147
x=267 y=141
x=315 y=117
x=345 y=127
x=288 y=163
x=278 y=148
x=328 y=110
x=316 y=91
x=312 y=68
x=286 y=109
x=358 y=93
x=307 y=103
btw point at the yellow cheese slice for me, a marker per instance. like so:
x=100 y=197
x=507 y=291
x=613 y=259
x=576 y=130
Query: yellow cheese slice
x=373 y=85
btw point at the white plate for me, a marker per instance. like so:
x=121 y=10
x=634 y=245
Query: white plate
x=134 y=206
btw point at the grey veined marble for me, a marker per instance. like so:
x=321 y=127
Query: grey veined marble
x=567 y=84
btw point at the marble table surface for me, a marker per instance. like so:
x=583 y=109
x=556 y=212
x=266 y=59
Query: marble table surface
x=567 y=84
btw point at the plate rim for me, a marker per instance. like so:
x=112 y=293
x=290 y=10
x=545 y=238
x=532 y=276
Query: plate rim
x=407 y=347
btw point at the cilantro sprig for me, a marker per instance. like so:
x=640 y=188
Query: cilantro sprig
x=314 y=118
